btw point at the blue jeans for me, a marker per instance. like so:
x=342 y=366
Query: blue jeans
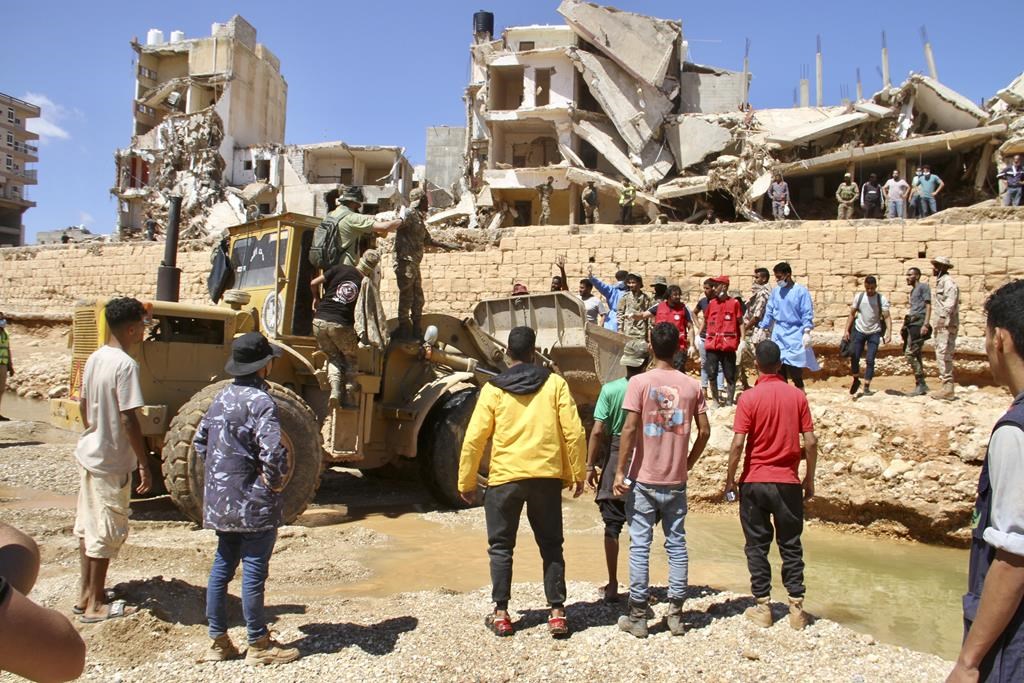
x=897 y=208
x=702 y=352
x=253 y=551
x=926 y=206
x=643 y=504
x=1012 y=196
x=860 y=341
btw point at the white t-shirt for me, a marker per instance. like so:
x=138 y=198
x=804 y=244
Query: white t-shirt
x=110 y=386
x=595 y=306
x=896 y=189
x=869 y=313
x=1006 y=474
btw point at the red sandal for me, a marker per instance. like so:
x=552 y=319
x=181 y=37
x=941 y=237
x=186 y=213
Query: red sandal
x=500 y=626
x=558 y=627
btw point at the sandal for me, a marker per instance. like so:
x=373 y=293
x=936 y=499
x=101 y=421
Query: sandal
x=109 y=594
x=499 y=626
x=558 y=627
x=117 y=609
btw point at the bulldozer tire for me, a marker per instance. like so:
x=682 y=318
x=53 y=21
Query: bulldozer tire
x=440 y=443
x=183 y=470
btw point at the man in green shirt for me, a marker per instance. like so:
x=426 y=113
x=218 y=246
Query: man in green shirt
x=354 y=226
x=602 y=455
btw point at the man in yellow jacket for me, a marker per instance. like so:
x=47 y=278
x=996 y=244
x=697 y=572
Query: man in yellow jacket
x=538 y=447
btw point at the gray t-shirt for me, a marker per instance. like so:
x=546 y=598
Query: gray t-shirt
x=896 y=189
x=1006 y=474
x=594 y=306
x=920 y=297
x=110 y=386
x=869 y=312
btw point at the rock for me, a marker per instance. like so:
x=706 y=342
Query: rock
x=898 y=441
x=751 y=655
x=896 y=468
x=867 y=639
x=58 y=392
x=869 y=466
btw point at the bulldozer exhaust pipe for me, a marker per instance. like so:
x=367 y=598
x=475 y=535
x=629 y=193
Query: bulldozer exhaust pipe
x=168 y=275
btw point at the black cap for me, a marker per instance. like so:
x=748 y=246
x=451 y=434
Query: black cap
x=249 y=353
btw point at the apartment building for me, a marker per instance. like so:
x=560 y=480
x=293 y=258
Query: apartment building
x=18 y=151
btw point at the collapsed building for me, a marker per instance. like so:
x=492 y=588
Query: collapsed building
x=209 y=126
x=611 y=95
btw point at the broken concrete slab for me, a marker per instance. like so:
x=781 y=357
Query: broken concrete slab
x=602 y=137
x=682 y=187
x=945 y=109
x=657 y=161
x=817 y=129
x=875 y=110
x=642 y=46
x=692 y=140
x=636 y=109
x=1013 y=94
x=464 y=209
x=709 y=90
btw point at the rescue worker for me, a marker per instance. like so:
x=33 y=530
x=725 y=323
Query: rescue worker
x=545 y=190
x=409 y=245
x=626 y=198
x=354 y=227
x=946 y=314
x=632 y=308
x=590 y=204
x=724 y=324
x=846 y=195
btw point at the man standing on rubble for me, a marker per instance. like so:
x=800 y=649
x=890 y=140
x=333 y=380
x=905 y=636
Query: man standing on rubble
x=632 y=308
x=1013 y=174
x=871 y=198
x=724 y=318
x=409 y=244
x=778 y=191
x=926 y=189
x=626 y=198
x=545 y=190
x=353 y=226
x=752 y=332
x=846 y=195
x=590 y=204
x=895 y=193
x=790 y=317
x=913 y=321
x=946 y=313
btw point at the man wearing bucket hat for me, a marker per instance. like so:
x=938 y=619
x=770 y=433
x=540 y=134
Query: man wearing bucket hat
x=354 y=226
x=410 y=242
x=246 y=466
x=603 y=454
x=946 y=314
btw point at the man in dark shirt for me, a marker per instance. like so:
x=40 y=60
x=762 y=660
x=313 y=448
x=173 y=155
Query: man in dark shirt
x=871 y=198
x=334 y=325
x=913 y=341
x=1013 y=174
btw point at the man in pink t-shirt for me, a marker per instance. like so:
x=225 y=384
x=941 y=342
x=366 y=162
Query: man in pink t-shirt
x=660 y=404
x=771 y=418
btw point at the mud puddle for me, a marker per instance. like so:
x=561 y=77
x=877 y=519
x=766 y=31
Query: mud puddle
x=902 y=593
x=18 y=498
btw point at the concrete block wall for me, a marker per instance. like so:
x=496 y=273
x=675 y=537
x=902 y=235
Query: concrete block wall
x=831 y=258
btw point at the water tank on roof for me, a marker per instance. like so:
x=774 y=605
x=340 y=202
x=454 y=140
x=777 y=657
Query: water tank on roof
x=177 y=36
x=154 y=36
x=483 y=22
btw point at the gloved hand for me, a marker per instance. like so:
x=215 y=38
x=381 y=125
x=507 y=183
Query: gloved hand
x=807 y=338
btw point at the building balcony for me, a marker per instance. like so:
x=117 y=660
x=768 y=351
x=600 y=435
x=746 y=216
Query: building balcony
x=23 y=149
x=28 y=176
x=9 y=197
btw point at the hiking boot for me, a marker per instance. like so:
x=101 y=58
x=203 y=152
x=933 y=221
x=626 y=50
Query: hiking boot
x=855 y=386
x=761 y=613
x=946 y=394
x=919 y=390
x=221 y=650
x=798 y=618
x=266 y=650
x=635 y=621
x=674 y=618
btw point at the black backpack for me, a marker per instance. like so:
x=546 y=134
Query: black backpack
x=326 y=248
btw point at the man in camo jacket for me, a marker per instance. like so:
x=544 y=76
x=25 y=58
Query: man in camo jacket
x=246 y=466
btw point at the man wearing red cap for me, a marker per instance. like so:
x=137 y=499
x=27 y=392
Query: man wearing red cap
x=725 y=319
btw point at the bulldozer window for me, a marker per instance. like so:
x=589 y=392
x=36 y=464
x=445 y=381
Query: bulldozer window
x=254 y=259
x=186 y=330
x=302 y=321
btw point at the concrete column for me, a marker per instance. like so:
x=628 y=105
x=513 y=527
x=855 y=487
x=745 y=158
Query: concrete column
x=574 y=201
x=901 y=166
x=529 y=87
x=819 y=187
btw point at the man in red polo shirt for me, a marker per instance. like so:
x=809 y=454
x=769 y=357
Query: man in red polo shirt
x=770 y=418
x=724 y=325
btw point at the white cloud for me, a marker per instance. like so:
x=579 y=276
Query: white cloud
x=85 y=218
x=51 y=114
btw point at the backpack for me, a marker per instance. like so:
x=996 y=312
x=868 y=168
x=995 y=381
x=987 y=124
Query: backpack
x=326 y=248
x=882 y=327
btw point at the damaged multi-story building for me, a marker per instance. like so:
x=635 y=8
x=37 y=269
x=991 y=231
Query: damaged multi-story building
x=611 y=95
x=19 y=151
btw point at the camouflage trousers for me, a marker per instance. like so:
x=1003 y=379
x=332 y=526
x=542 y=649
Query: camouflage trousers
x=592 y=213
x=410 y=293
x=944 y=339
x=341 y=344
x=745 y=361
x=545 y=212
x=913 y=344
x=845 y=212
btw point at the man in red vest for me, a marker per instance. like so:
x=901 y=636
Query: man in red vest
x=725 y=320
x=673 y=310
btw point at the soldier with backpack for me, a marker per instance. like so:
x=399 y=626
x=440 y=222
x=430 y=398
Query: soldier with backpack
x=869 y=325
x=338 y=239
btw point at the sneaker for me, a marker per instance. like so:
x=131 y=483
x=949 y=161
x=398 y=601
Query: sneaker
x=221 y=650
x=761 y=613
x=266 y=650
x=798 y=618
x=635 y=621
x=855 y=386
x=674 y=618
x=867 y=391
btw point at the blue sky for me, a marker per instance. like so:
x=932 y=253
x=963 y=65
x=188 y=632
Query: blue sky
x=381 y=72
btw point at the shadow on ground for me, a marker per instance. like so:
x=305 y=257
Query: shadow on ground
x=179 y=602
x=374 y=639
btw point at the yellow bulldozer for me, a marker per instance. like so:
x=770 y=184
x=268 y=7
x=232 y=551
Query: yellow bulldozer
x=415 y=397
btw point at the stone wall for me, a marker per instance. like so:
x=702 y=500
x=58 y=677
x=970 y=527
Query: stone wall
x=831 y=258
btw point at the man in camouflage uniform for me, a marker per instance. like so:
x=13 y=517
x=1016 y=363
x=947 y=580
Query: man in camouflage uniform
x=946 y=313
x=545 y=191
x=590 y=204
x=354 y=228
x=846 y=195
x=246 y=467
x=632 y=309
x=410 y=242
x=752 y=332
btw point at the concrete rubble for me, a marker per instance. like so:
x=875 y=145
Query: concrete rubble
x=682 y=133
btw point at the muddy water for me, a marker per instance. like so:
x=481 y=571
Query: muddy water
x=902 y=593
x=17 y=408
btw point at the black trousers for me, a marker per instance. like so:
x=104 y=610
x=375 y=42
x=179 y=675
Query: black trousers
x=768 y=510
x=503 y=506
x=725 y=360
x=791 y=372
x=626 y=214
